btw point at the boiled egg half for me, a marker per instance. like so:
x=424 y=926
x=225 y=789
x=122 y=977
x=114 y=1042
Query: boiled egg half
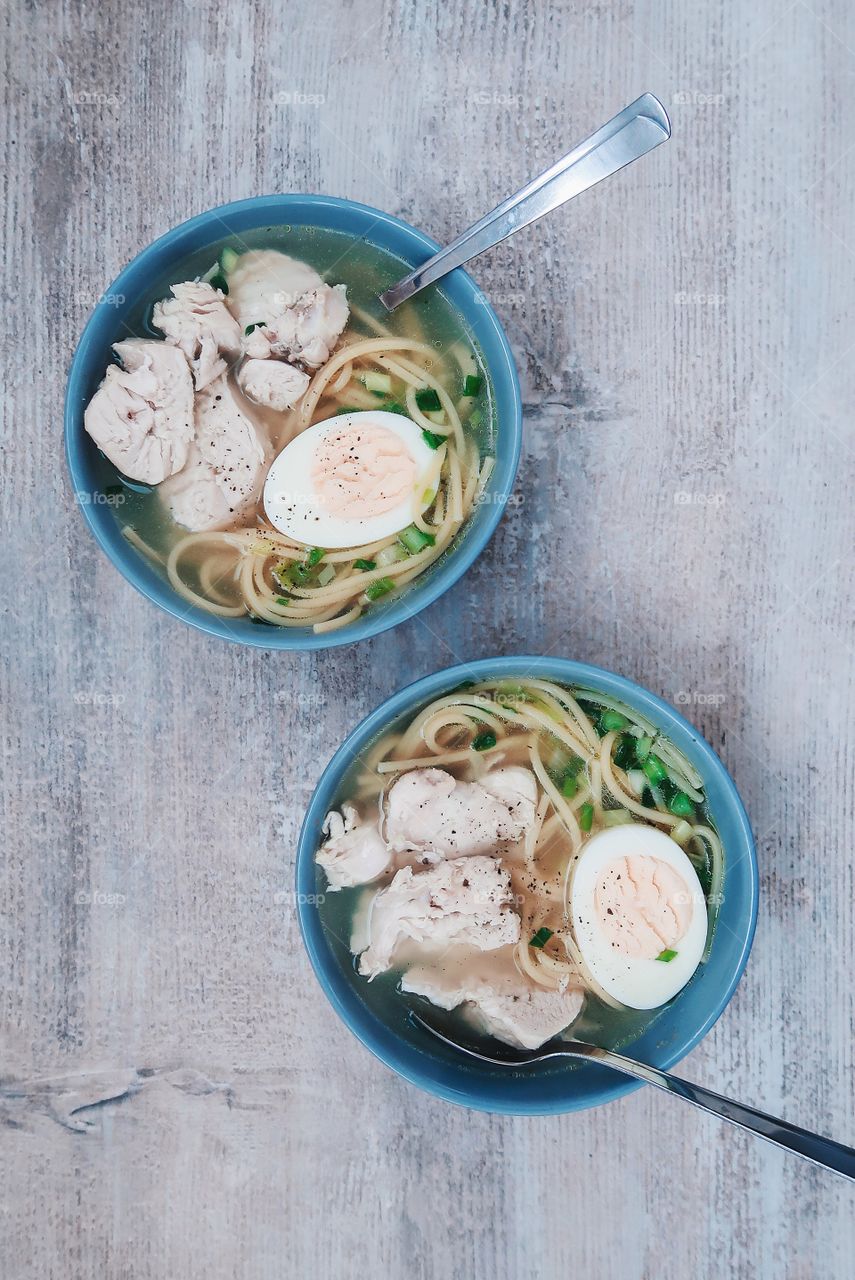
x=639 y=914
x=352 y=479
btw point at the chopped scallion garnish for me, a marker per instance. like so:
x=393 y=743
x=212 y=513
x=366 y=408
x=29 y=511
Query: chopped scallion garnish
x=428 y=400
x=299 y=574
x=540 y=938
x=624 y=756
x=666 y=956
x=654 y=769
x=381 y=587
x=610 y=720
x=219 y=281
x=681 y=805
x=432 y=439
x=381 y=383
x=315 y=556
x=586 y=817
x=414 y=539
x=365 y=564
x=484 y=741
x=471 y=385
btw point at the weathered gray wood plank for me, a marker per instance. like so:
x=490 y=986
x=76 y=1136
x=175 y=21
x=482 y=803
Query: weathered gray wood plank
x=179 y=1099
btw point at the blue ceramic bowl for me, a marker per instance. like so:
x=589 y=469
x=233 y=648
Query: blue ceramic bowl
x=548 y=1088
x=107 y=325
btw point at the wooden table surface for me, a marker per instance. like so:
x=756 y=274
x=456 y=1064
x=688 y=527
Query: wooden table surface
x=178 y=1098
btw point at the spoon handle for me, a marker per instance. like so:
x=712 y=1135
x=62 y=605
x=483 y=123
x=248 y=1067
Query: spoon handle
x=810 y=1146
x=626 y=137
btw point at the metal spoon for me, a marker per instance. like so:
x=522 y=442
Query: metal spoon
x=810 y=1146
x=626 y=137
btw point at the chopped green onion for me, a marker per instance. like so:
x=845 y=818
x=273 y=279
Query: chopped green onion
x=613 y=720
x=283 y=600
x=682 y=833
x=251 y=328
x=642 y=748
x=624 y=756
x=636 y=779
x=394 y=407
x=428 y=400
x=569 y=786
x=666 y=956
x=378 y=382
x=414 y=539
x=428 y=497
x=484 y=741
x=219 y=281
x=471 y=385
x=365 y=564
x=586 y=817
x=299 y=574
x=315 y=556
x=432 y=440
x=390 y=555
x=616 y=817
x=381 y=587
x=681 y=805
x=228 y=260
x=654 y=769
x=540 y=938
x=326 y=575
x=475 y=418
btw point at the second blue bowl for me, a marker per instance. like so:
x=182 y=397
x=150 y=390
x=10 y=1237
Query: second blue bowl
x=548 y=1087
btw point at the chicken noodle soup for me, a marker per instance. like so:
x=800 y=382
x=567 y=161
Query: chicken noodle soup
x=527 y=857
x=284 y=448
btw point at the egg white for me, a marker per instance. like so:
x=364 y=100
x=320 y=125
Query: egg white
x=636 y=982
x=292 y=505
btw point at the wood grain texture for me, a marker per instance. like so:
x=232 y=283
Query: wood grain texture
x=178 y=1100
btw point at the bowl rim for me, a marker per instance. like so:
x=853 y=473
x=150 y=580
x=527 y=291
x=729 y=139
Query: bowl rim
x=377 y=1037
x=422 y=593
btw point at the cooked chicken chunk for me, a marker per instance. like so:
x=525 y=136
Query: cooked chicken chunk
x=429 y=810
x=273 y=383
x=353 y=853
x=503 y=1005
x=309 y=330
x=296 y=316
x=466 y=900
x=264 y=283
x=141 y=416
x=225 y=469
x=197 y=320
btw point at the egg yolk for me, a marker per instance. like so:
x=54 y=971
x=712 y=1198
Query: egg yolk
x=643 y=905
x=362 y=471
